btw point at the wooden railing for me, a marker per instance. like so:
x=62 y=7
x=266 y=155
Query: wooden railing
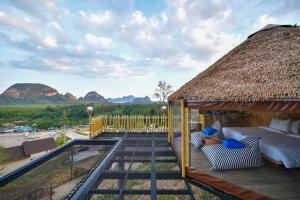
x=128 y=123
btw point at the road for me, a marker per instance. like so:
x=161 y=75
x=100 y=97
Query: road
x=74 y=135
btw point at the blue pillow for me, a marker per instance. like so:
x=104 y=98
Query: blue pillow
x=209 y=131
x=232 y=143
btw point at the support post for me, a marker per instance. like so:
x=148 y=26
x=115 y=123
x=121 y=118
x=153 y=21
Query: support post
x=188 y=132
x=169 y=123
x=183 y=137
x=90 y=126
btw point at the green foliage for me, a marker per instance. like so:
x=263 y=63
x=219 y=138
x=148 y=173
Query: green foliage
x=61 y=139
x=170 y=197
x=207 y=196
x=57 y=115
x=4 y=157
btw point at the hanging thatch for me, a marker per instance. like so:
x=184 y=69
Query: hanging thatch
x=265 y=67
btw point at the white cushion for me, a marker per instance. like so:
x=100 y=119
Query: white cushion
x=223 y=158
x=295 y=127
x=282 y=125
x=217 y=125
x=196 y=139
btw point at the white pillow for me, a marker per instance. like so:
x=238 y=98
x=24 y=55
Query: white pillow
x=295 y=127
x=216 y=125
x=282 y=125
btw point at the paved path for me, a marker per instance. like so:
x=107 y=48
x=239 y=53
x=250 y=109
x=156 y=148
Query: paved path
x=74 y=135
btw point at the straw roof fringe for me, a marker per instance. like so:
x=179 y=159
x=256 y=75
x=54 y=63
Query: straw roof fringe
x=265 y=67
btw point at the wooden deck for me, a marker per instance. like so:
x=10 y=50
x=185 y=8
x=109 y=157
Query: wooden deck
x=273 y=181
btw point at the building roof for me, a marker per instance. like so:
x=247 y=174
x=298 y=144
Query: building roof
x=265 y=67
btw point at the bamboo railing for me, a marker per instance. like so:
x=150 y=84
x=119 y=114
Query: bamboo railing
x=128 y=123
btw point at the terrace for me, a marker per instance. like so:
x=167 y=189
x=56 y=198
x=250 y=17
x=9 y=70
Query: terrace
x=125 y=163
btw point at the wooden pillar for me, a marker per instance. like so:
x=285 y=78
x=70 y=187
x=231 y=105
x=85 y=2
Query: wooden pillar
x=169 y=123
x=183 y=138
x=188 y=132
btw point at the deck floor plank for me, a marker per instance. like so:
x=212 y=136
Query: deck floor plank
x=275 y=182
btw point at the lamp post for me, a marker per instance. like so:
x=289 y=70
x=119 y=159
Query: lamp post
x=34 y=129
x=90 y=110
x=65 y=133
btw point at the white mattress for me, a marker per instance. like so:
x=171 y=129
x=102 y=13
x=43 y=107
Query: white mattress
x=274 y=144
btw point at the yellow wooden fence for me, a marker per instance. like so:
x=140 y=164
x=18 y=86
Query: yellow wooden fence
x=128 y=123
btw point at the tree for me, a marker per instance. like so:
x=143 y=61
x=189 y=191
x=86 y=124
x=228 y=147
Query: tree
x=162 y=91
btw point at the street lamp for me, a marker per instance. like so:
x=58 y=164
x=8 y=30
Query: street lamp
x=34 y=129
x=90 y=110
x=164 y=108
x=65 y=133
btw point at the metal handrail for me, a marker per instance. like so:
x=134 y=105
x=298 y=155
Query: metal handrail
x=38 y=161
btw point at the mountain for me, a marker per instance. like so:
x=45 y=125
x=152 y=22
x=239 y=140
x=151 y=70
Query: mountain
x=70 y=96
x=32 y=93
x=92 y=97
x=145 y=99
x=130 y=99
x=124 y=99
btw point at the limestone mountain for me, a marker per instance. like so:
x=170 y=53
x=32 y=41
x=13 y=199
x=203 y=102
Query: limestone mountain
x=145 y=99
x=130 y=99
x=92 y=97
x=70 y=96
x=31 y=93
x=35 y=93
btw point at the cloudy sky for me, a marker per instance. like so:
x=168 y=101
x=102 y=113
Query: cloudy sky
x=122 y=47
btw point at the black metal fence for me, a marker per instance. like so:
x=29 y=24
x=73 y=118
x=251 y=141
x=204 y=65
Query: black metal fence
x=55 y=175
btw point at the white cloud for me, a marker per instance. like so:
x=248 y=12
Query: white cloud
x=55 y=26
x=103 y=42
x=137 y=17
x=100 y=18
x=186 y=35
x=263 y=21
x=50 y=41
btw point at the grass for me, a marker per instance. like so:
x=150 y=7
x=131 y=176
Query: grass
x=82 y=132
x=166 y=166
x=4 y=156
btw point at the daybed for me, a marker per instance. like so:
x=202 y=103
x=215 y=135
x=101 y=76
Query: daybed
x=223 y=158
x=279 y=146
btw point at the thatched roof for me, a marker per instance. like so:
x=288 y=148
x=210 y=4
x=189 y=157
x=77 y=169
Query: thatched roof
x=265 y=67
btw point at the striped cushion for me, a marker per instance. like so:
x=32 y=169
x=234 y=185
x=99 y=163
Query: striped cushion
x=196 y=138
x=223 y=158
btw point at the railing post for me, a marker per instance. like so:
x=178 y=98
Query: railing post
x=183 y=137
